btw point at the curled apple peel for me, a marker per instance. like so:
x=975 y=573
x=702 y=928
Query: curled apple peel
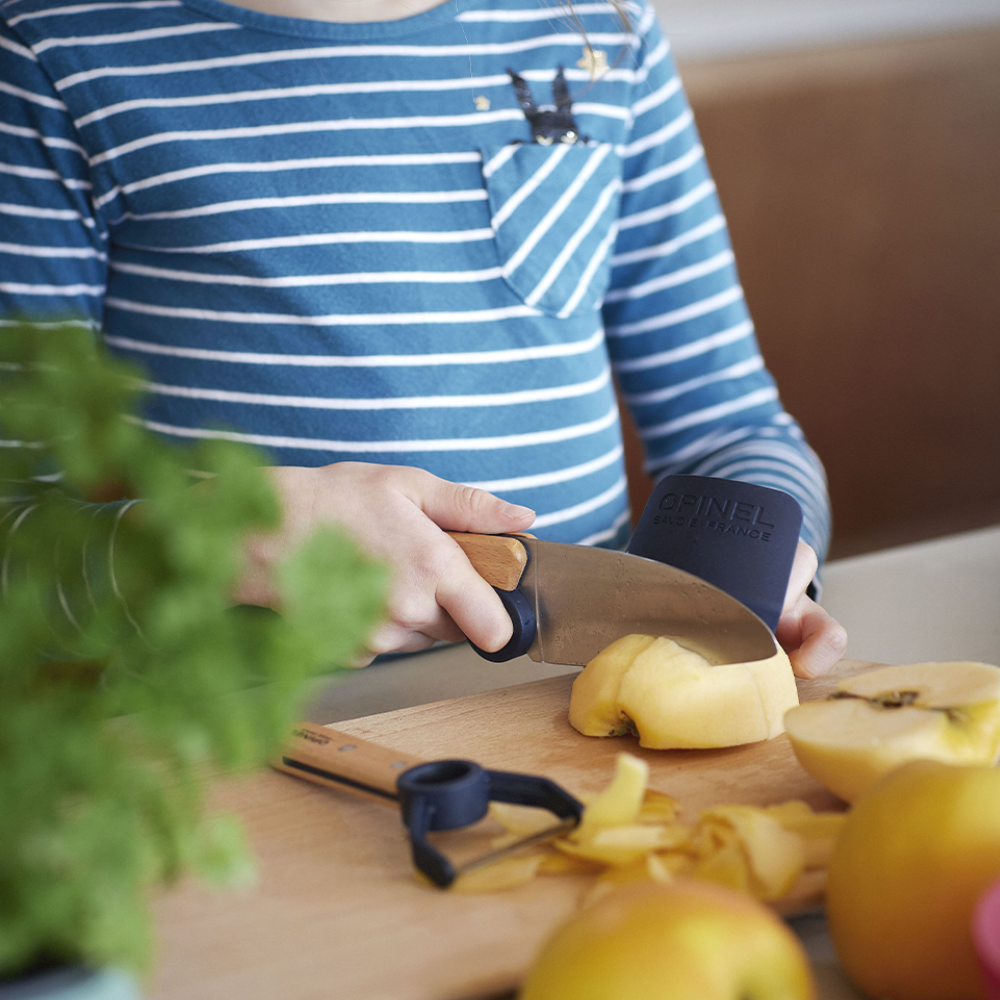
x=630 y=832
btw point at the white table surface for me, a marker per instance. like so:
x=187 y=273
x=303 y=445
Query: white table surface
x=936 y=600
x=720 y=29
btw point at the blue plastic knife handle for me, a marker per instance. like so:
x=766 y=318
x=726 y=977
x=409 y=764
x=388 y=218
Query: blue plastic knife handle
x=740 y=537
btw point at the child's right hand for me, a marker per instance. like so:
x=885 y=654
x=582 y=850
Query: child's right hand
x=399 y=515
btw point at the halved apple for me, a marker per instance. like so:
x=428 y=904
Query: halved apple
x=887 y=716
x=672 y=697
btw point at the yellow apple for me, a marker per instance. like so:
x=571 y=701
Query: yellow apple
x=673 y=698
x=915 y=853
x=682 y=940
x=986 y=938
x=886 y=716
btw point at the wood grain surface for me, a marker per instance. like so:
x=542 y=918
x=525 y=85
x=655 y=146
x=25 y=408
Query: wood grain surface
x=337 y=911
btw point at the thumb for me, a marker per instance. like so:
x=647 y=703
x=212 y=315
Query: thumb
x=465 y=508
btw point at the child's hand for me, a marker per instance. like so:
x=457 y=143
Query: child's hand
x=396 y=514
x=813 y=640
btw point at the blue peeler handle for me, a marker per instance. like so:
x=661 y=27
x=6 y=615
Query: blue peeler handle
x=433 y=795
x=449 y=794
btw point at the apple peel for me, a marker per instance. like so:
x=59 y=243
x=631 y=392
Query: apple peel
x=621 y=802
x=630 y=832
x=507 y=873
x=818 y=831
x=775 y=855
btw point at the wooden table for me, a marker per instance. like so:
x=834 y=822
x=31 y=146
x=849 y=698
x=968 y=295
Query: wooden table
x=336 y=911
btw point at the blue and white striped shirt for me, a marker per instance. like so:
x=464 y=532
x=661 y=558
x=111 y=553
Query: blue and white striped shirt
x=339 y=242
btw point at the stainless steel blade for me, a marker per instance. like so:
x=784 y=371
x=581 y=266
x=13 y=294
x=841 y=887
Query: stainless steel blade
x=585 y=598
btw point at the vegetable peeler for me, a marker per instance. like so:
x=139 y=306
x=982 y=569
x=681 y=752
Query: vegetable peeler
x=433 y=795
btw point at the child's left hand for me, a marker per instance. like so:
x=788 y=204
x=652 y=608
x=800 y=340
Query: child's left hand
x=813 y=639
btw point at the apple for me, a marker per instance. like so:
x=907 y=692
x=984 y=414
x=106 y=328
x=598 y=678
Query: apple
x=879 y=719
x=916 y=852
x=681 y=940
x=672 y=697
x=986 y=938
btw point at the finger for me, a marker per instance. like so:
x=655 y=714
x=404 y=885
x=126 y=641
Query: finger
x=464 y=508
x=395 y=638
x=360 y=660
x=457 y=597
x=413 y=617
x=804 y=567
x=413 y=643
x=818 y=641
x=475 y=608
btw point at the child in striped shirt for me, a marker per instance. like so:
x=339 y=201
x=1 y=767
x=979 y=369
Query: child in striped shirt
x=408 y=249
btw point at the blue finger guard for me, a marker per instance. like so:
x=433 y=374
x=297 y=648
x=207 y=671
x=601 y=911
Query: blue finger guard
x=522 y=618
x=740 y=537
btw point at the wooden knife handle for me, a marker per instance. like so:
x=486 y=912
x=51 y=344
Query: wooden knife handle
x=337 y=760
x=498 y=559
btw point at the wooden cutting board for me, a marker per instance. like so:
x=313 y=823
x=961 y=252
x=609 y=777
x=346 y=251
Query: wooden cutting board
x=336 y=911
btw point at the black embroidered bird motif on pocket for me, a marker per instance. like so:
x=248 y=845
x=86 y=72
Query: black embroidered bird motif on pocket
x=548 y=125
x=553 y=206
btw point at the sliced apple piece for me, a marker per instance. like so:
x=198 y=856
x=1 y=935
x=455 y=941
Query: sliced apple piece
x=673 y=698
x=884 y=717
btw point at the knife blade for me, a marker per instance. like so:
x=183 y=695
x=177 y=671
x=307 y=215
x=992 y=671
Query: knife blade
x=568 y=602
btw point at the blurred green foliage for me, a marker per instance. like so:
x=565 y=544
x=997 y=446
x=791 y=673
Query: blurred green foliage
x=124 y=673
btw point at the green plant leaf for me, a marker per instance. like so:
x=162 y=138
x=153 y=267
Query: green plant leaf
x=126 y=676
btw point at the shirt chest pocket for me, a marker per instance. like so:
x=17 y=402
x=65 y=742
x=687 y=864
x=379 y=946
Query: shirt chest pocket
x=553 y=210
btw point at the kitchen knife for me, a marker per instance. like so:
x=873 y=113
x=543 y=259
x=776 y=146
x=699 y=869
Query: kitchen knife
x=568 y=602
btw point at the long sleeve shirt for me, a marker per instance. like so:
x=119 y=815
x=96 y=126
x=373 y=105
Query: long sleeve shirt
x=399 y=242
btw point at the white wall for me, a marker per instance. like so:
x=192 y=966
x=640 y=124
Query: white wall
x=700 y=29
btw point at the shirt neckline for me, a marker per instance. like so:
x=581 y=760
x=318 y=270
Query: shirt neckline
x=296 y=27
